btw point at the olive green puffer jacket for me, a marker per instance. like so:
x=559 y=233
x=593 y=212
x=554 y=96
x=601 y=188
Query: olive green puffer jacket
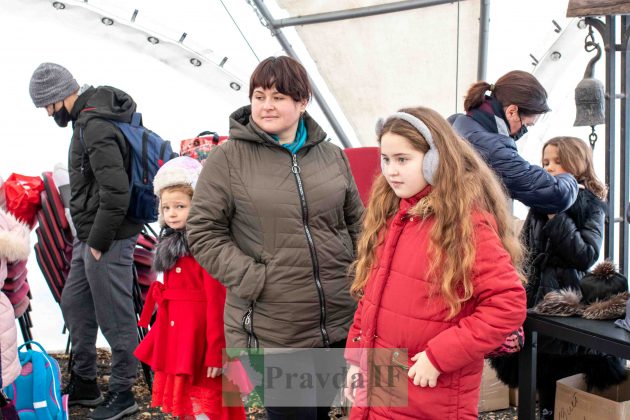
x=279 y=232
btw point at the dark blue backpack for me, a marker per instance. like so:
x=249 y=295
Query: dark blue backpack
x=148 y=153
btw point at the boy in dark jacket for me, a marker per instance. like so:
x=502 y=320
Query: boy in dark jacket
x=98 y=290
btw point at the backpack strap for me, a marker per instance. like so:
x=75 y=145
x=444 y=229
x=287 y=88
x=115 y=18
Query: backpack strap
x=145 y=157
x=136 y=119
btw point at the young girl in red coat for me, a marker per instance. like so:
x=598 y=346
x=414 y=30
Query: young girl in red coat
x=185 y=345
x=436 y=276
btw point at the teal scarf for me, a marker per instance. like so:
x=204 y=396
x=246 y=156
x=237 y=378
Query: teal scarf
x=300 y=138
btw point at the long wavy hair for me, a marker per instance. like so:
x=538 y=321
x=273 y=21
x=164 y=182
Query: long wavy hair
x=577 y=159
x=462 y=182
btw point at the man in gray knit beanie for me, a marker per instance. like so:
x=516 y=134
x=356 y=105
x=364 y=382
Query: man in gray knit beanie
x=51 y=84
x=98 y=289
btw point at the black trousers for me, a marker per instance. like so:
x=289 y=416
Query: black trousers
x=305 y=413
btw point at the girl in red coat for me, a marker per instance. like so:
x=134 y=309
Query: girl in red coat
x=185 y=345
x=437 y=276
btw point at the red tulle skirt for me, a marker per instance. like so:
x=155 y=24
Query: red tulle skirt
x=179 y=396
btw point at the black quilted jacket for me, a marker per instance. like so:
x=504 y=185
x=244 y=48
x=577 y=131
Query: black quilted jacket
x=100 y=191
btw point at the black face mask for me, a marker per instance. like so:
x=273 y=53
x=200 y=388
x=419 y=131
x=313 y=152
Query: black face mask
x=62 y=116
x=520 y=133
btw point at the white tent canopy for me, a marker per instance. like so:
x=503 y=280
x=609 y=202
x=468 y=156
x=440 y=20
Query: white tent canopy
x=379 y=63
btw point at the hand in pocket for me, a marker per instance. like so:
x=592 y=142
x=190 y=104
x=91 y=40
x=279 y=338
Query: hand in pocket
x=96 y=254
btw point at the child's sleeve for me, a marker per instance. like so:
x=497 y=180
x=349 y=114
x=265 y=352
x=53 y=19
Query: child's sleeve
x=353 y=343
x=578 y=247
x=215 y=336
x=500 y=307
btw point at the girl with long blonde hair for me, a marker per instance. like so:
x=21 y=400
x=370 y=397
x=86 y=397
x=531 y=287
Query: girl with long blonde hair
x=437 y=274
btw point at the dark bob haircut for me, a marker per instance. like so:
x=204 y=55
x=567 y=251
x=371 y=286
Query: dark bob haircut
x=286 y=74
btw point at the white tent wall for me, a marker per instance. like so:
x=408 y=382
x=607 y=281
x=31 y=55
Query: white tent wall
x=377 y=64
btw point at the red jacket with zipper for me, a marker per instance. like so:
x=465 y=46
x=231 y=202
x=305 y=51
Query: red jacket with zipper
x=402 y=311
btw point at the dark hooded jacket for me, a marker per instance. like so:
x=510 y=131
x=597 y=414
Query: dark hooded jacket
x=280 y=235
x=98 y=167
x=486 y=128
x=560 y=251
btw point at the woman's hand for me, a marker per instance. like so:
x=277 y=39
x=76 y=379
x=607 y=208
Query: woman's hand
x=213 y=372
x=422 y=372
x=350 y=391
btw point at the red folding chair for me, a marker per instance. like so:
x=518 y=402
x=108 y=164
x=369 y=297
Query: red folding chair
x=365 y=164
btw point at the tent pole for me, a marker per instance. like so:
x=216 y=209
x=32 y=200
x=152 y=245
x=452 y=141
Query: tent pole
x=484 y=30
x=358 y=12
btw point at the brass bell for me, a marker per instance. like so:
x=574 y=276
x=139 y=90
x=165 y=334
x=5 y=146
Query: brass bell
x=590 y=96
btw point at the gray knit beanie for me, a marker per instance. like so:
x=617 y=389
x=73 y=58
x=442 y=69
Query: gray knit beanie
x=50 y=84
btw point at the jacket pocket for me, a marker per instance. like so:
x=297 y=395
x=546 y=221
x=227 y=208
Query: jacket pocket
x=248 y=326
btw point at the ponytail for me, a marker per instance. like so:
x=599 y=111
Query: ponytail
x=513 y=88
x=476 y=94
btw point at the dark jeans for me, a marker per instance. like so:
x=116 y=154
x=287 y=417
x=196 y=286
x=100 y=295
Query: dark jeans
x=305 y=413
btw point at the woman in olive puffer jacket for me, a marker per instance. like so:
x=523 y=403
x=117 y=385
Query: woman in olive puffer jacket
x=275 y=217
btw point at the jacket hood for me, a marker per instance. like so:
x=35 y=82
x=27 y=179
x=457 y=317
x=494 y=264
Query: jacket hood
x=243 y=127
x=103 y=102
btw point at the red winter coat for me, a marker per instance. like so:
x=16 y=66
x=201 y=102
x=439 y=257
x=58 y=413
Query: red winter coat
x=187 y=336
x=398 y=312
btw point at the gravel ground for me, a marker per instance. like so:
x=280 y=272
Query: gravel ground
x=143 y=397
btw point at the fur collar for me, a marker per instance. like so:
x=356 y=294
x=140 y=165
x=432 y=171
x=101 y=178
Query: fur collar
x=14 y=238
x=566 y=302
x=171 y=247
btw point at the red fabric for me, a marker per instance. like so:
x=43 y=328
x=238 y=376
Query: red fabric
x=402 y=310
x=365 y=165
x=178 y=396
x=187 y=336
x=22 y=196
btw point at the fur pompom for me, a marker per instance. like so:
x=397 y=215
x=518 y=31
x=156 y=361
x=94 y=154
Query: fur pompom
x=564 y=302
x=612 y=308
x=604 y=269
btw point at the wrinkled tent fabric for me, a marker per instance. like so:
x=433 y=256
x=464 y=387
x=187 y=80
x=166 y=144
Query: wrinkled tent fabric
x=376 y=64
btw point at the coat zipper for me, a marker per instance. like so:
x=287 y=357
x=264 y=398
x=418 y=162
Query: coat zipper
x=311 y=245
x=248 y=326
